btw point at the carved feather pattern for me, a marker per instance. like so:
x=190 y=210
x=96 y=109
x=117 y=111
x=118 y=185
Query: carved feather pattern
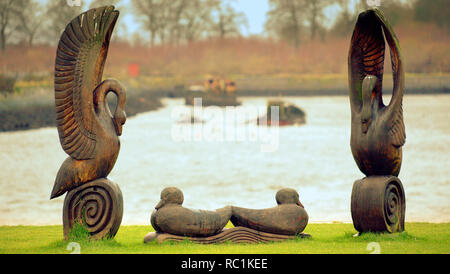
x=372 y=48
x=397 y=130
x=366 y=56
x=80 y=59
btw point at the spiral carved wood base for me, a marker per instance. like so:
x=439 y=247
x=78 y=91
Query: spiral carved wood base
x=233 y=235
x=98 y=205
x=378 y=204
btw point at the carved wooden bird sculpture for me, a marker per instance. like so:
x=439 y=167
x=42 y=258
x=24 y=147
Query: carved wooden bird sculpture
x=378 y=131
x=171 y=217
x=288 y=218
x=88 y=132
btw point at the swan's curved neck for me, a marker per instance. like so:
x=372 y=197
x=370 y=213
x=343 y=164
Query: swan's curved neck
x=101 y=105
x=368 y=97
x=103 y=89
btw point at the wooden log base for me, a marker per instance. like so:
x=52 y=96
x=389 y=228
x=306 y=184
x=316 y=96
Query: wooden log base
x=233 y=235
x=98 y=205
x=378 y=204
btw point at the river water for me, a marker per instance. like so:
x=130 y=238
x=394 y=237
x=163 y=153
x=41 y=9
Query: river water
x=213 y=172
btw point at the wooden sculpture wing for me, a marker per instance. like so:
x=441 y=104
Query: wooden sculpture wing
x=366 y=57
x=80 y=59
x=394 y=111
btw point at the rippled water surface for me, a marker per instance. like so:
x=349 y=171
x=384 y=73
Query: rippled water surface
x=315 y=159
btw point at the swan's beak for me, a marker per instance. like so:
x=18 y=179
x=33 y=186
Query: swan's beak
x=118 y=127
x=159 y=205
x=119 y=121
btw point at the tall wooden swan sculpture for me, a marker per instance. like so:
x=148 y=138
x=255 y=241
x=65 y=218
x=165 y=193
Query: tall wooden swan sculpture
x=88 y=132
x=377 y=131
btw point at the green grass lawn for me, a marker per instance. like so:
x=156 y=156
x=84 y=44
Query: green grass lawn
x=326 y=238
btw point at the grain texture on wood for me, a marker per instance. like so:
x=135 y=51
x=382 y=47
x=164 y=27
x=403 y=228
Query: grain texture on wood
x=378 y=204
x=233 y=235
x=97 y=205
x=288 y=218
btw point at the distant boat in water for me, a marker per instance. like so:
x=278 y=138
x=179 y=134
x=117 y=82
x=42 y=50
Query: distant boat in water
x=213 y=92
x=289 y=115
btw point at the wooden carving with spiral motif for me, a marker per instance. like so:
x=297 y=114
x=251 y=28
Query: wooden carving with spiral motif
x=88 y=131
x=377 y=130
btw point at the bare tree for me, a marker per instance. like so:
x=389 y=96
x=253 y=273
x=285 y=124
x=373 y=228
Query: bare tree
x=165 y=19
x=344 y=22
x=7 y=10
x=175 y=26
x=161 y=18
x=31 y=16
x=59 y=14
x=196 y=19
x=188 y=20
x=148 y=10
x=314 y=14
x=227 y=21
x=285 y=20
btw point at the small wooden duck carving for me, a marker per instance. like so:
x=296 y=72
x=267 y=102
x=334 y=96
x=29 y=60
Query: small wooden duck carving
x=171 y=217
x=288 y=218
x=88 y=132
x=378 y=131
